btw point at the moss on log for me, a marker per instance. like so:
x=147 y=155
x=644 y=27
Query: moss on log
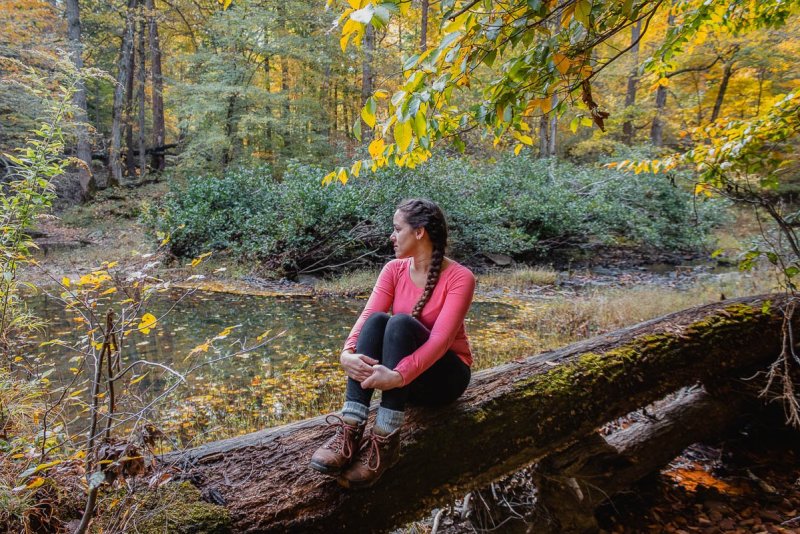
x=509 y=417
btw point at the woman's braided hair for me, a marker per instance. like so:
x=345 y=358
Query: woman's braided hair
x=422 y=213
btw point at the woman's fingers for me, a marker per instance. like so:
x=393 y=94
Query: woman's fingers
x=367 y=360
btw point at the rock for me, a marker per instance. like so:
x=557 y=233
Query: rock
x=499 y=259
x=307 y=280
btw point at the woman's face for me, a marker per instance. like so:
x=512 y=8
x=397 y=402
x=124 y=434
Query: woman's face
x=404 y=238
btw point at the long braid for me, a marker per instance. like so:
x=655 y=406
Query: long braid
x=421 y=213
x=433 y=278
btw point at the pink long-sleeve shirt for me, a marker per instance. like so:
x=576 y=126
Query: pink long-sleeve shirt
x=443 y=314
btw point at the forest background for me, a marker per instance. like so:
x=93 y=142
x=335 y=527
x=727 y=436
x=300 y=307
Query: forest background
x=279 y=135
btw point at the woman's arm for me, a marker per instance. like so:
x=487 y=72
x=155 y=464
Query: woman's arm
x=379 y=301
x=456 y=305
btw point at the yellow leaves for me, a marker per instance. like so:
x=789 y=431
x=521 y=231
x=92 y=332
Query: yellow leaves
x=567 y=14
x=109 y=291
x=376 y=148
x=524 y=139
x=355 y=170
x=203 y=347
x=35 y=483
x=199 y=259
x=226 y=332
x=517 y=149
x=138 y=378
x=402 y=135
x=225 y=4
x=368 y=116
x=351 y=30
x=541 y=104
x=562 y=63
x=661 y=82
x=65 y=282
x=262 y=336
x=94 y=279
x=702 y=188
x=328 y=178
x=342 y=176
x=147 y=322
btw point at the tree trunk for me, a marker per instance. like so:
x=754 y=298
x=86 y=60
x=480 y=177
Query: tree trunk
x=628 y=130
x=123 y=76
x=83 y=149
x=140 y=98
x=509 y=417
x=157 y=161
x=727 y=72
x=423 y=27
x=130 y=160
x=657 y=126
x=367 y=75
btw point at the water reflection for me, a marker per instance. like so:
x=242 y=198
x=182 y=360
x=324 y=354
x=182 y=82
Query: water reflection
x=293 y=376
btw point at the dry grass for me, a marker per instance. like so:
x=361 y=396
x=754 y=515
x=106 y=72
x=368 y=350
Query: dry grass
x=361 y=282
x=545 y=325
x=518 y=279
x=351 y=284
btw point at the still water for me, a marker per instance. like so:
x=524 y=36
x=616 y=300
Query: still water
x=291 y=377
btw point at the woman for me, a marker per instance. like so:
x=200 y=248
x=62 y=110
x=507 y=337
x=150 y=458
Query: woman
x=420 y=354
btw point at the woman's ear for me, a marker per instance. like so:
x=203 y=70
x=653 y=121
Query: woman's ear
x=419 y=232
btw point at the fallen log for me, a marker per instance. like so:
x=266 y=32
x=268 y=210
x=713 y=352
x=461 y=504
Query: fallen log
x=572 y=483
x=509 y=417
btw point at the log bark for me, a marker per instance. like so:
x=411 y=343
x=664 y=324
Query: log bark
x=509 y=417
x=572 y=483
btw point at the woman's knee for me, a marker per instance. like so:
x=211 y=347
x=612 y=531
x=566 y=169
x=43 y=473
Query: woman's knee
x=402 y=330
x=376 y=320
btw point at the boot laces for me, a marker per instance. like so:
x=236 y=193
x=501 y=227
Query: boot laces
x=339 y=442
x=373 y=455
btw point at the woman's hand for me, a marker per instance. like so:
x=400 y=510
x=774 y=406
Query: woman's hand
x=382 y=378
x=357 y=366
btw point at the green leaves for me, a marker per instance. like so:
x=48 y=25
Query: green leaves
x=583 y=12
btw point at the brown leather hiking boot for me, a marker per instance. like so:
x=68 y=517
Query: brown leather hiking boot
x=337 y=453
x=376 y=455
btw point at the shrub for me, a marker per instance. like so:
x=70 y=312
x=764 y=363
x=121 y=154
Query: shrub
x=517 y=206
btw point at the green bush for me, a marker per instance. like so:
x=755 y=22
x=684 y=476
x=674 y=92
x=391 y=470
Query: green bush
x=518 y=206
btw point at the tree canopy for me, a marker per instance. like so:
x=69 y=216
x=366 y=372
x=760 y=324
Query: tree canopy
x=499 y=65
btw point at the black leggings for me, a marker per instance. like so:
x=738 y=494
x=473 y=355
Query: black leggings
x=389 y=340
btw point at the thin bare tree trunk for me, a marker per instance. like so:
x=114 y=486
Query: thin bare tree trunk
x=423 y=27
x=123 y=76
x=657 y=127
x=83 y=149
x=157 y=160
x=141 y=103
x=727 y=72
x=628 y=130
x=367 y=75
x=130 y=161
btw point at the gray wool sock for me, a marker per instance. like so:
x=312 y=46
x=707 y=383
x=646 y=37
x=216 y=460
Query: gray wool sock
x=388 y=421
x=354 y=413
